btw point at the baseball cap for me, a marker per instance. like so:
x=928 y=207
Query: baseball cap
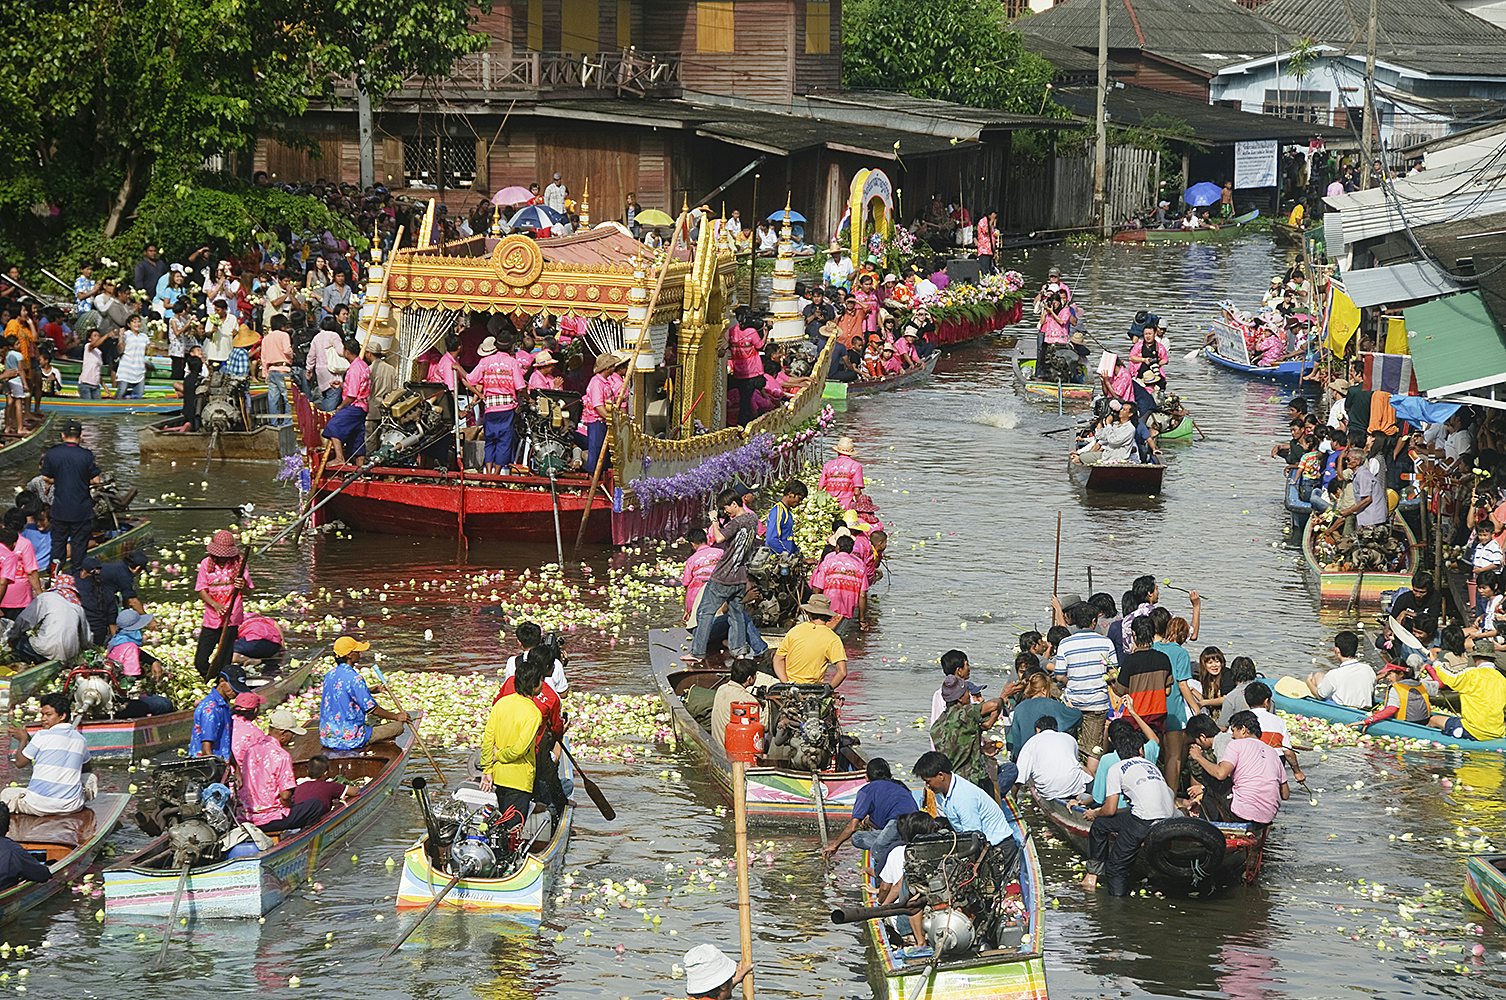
x=345 y=645
x=90 y=563
x=249 y=700
x=954 y=687
x=236 y=675
x=283 y=719
x=72 y=428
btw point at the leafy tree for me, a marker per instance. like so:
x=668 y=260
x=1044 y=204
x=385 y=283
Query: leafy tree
x=952 y=50
x=101 y=98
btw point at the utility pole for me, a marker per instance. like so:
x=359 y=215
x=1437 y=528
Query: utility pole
x=1368 y=124
x=363 y=128
x=1101 y=152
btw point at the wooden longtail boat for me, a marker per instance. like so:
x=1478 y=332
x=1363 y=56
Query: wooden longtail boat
x=521 y=895
x=264 y=443
x=21 y=685
x=1284 y=234
x=17 y=450
x=775 y=794
x=1286 y=371
x=155 y=401
x=1125 y=477
x=1071 y=394
x=136 y=536
x=1001 y=974
x=920 y=373
x=1244 y=843
x=1339 y=585
x=70 y=842
x=152 y=734
x=144 y=883
x=1233 y=229
x=1485 y=885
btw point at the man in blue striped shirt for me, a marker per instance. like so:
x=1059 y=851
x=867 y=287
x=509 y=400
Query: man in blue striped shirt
x=1088 y=656
x=59 y=758
x=779 y=535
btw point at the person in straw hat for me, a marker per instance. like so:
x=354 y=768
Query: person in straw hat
x=812 y=652
x=545 y=374
x=710 y=974
x=238 y=361
x=221 y=583
x=604 y=389
x=499 y=382
x=842 y=476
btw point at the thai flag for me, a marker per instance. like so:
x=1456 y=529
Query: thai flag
x=1390 y=372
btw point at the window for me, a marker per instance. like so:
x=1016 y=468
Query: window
x=1310 y=106
x=422 y=156
x=580 y=26
x=713 y=26
x=817 y=27
x=624 y=24
x=1017 y=8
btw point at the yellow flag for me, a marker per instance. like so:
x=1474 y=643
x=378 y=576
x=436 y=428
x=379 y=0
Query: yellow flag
x=1343 y=321
x=1396 y=335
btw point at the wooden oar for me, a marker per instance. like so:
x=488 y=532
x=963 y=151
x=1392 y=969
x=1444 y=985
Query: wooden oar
x=172 y=918
x=219 y=647
x=820 y=805
x=740 y=833
x=600 y=799
x=422 y=916
x=1359 y=581
x=1056 y=569
x=1200 y=435
x=1180 y=590
x=1059 y=430
x=417 y=737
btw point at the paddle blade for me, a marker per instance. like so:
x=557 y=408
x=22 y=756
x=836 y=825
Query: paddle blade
x=600 y=800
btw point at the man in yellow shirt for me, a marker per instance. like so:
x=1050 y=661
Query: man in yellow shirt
x=508 y=748
x=1299 y=211
x=1482 y=700
x=812 y=648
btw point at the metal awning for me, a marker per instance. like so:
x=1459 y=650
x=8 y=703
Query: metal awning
x=1457 y=349
x=1399 y=283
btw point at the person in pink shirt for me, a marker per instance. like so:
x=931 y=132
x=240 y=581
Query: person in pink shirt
x=1121 y=384
x=500 y=384
x=604 y=389
x=843 y=578
x=988 y=221
x=698 y=568
x=244 y=732
x=891 y=362
x=257 y=640
x=904 y=349
x=346 y=428
x=446 y=369
x=746 y=342
x=266 y=775
x=842 y=477
x=20 y=561
x=221 y=584
x=544 y=374
x=867 y=303
x=1248 y=784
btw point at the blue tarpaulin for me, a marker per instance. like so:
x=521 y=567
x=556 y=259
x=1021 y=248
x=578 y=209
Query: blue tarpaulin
x=1419 y=410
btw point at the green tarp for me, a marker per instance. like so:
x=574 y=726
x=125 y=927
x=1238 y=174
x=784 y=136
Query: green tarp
x=1455 y=344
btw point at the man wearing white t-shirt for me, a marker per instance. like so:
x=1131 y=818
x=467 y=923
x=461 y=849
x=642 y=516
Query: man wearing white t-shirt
x=530 y=635
x=1351 y=683
x=1116 y=834
x=1049 y=762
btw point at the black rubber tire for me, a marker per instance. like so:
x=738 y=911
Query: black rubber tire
x=1183 y=852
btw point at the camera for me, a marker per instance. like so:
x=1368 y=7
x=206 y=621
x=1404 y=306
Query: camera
x=555 y=643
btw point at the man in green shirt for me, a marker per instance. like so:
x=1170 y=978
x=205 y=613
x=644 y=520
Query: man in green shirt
x=958 y=733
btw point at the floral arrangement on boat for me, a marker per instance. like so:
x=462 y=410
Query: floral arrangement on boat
x=964 y=310
x=1373 y=549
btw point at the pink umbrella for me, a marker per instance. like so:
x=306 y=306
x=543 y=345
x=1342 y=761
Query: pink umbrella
x=514 y=195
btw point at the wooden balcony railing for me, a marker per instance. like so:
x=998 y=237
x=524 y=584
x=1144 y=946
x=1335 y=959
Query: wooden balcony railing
x=627 y=73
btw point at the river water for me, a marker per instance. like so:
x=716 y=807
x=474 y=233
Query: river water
x=961 y=466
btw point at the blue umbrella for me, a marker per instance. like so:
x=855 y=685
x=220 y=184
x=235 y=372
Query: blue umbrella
x=536 y=217
x=779 y=216
x=1202 y=195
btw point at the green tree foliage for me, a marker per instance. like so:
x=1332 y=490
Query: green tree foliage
x=951 y=50
x=101 y=98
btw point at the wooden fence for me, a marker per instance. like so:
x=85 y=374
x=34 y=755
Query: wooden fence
x=1057 y=193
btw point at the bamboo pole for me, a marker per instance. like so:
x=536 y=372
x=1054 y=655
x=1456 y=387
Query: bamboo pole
x=744 y=904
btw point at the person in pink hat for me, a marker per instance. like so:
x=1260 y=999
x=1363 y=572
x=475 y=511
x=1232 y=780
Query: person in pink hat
x=222 y=581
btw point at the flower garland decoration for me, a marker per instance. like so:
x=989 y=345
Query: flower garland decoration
x=752 y=462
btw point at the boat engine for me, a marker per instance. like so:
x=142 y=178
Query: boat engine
x=219 y=403
x=92 y=692
x=413 y=417
x=972 y=902
x=803 y=720
x=1059 y=364
x=109 y=500
x=479 y=844
x=549 y=422
x=188 y=800
x=780 y=578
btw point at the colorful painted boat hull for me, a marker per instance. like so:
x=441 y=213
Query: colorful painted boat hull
x=1006 y=976
x=20 y=686
x=1338 y=586
x=155 y=733
x=522 y=895
x=1181 y=432
x=1485 y=885
x=775 y=795
x=22 y=898
x=1314 y=709
x=130 y=540
x=1286 y=371
x=1232 y=230
x=1053 y=391
x=156 y=403
x=26 y=447
x=254 y=886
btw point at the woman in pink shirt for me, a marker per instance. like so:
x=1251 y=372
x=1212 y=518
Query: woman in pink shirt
x=842 y=477
x=867 y=300
x=604 y=389
x=221 y=584
x=499 y=382
x=746 y=341
x=258 y=640
x=19 y=560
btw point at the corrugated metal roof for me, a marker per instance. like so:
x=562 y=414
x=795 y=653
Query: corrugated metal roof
x=1428 y=35
x=1203 y=34
x=1129 y=105
x=1412 y=282
x=1456 y=345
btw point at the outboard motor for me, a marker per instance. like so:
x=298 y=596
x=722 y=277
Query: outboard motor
x=187 y=800
x=803 y=724
x=968 y=889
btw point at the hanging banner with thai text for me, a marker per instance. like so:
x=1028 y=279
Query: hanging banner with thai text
x=1255 y=164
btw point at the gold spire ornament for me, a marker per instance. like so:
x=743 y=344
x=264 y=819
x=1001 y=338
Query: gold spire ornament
x=585 y=205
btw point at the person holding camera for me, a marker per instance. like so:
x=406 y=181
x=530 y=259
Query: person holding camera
x=530 y=637
x=737 y=533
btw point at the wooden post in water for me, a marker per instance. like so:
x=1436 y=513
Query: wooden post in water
x=740 y=833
